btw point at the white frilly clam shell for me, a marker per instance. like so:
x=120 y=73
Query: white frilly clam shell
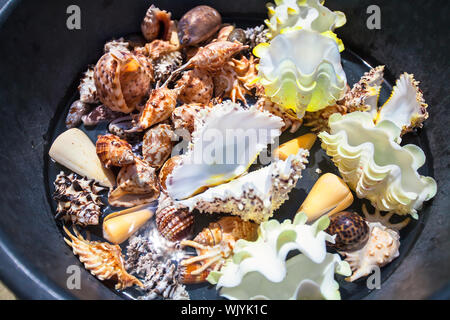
x=381 y=249
x=406 y=106
x=226 y=141
x=375 y=166
x=254 y=196
x=301 y=71
x=259 y=270
x=309 y=15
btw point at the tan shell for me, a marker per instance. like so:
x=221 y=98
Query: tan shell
x=184 y=116
x=122 y=80
x=158 y=108
x=151 y=25
x=381 y=248
x=228 y=85
x=102 y=259
x=113 y=151
x=173 y=223
x=199 y=24
x=166 y=170
x=136 y=184
x=157 y=145
x=197 y=87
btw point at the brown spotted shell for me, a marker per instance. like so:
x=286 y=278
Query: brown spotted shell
x=113 y=151
x=122 y=80
x=198 y=25
x=159 y=107
x=157 y=145
x=172 y=222
x=151 y=25
x=197 y=87
x=136 y=184
x=184 y=116
x=351 y=230
x=214 y=56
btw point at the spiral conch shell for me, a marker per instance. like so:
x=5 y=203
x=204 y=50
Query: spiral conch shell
x=381 y=248
x=375 y=166
x=157 y=145
x=102 y=259
x=151 y=25
x=122 y=80
x=136 y=184
x=113 y=151
x=211 y=162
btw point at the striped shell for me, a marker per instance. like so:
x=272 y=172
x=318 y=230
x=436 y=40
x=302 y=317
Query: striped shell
x=157 y=145
x=173 y=223
x=113 y=151
x=136 y=184
x=102 y=259
x=122 y=80
x=351 y=230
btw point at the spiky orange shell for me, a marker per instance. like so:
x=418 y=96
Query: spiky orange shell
x=158 y=108
x=228 y=85
x=137 y=184
x=157 y=145
x=122 y=80
x=213 y=56
x=113 y=151
x=102 y=259
x=196 y=87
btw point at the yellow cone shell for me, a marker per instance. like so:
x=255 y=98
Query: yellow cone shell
x=329 y=195
x=119 y=226
x=292 y=147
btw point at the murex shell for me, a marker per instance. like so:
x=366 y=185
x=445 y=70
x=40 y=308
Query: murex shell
x=220 y=151
x=381 y=248
x=254 y=196
x=375 y=166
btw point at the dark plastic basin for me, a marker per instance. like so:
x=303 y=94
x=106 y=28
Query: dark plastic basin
x=41 y=62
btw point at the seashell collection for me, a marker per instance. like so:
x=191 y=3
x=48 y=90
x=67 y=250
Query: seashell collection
x=191 y=108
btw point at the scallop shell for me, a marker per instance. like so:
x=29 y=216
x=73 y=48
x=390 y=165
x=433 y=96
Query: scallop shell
x=136 y=184
x=254 y=196
x=102 y=259
x=122 y=80
x=381 y=249
x=113 y=151
x=173 y=223
x=208 y=162
x=157 y=145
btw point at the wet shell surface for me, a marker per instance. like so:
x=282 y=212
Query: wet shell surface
x=102 y=259
x=173 y=223
x=122 y=80
x=113 y=151
x=136 y=184
x=78 y=199
x=197 y=87
x=198 y=25
x=381 y=249
x=157 y=145
x=351 y=230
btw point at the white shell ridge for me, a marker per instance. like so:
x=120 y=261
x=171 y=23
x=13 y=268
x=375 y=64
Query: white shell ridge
x=375 y=166
x=254 y=196
x=227 y=140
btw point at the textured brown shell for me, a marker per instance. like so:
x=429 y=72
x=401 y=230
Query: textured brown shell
x=122 y=80
x=213 y=56
x=102 y=259
x=113 y=151
x=166 y=170
x=157 y=145
x=351 y=230
x=158 y=108
x=173 y=223
x=136 y=184
x=228 y=85
x=151 y=25
x=197 y=87
x=184 y=116
x=198 y=25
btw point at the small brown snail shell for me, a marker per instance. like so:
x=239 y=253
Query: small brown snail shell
x=237 y=35
x=351 y=230
x=198 y=25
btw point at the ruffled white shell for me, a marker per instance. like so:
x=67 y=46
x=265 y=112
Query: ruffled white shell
x=301 y=71
x=381 y=249
x=254 y=196
x=309 y=15
x=375 y=166
x=227 y=140
x=406 y=106
x=258 y=270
